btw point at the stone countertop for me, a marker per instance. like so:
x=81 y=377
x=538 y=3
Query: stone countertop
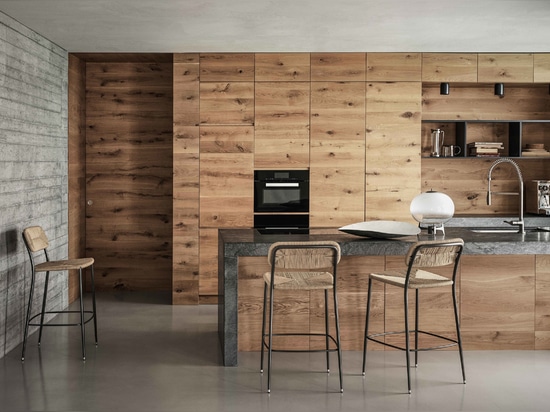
x=249 y=242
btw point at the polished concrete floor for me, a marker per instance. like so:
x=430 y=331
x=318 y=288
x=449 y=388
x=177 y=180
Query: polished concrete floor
x=156 y=357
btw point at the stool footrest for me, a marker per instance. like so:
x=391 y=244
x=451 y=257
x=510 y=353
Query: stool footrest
x=332 y=339
x=373 y=337
x=89 y=312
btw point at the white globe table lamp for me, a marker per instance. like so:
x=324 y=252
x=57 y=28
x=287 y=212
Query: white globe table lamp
x=432 y=209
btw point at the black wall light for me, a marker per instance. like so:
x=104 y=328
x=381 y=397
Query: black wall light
x=444 y=88
x=499 y=89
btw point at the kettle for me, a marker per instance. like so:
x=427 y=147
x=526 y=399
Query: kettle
x=438 y=136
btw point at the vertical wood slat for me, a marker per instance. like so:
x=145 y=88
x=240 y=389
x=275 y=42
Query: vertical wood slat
x=129 y=174
x=541 y=69
x=337 y=146
x=392 y=149
x=282 y=125
x=185 y=270
x=542 y=303
x=498 y=302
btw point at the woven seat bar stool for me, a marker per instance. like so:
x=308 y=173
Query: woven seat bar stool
x=36 y=242
x=421 y=255
x=301 y=266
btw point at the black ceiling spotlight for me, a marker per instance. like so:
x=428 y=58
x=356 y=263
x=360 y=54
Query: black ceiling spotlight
x=444 y=88
x=499 y=89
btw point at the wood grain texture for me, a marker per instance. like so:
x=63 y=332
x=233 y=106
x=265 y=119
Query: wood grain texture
x=506 y=67
x=284 y=67
x=498 y=302
x=338 y=67
x=208 y=282
x=392 y=149
x=226 y=67
x=337 y=154
x=227 y=103
x=129 y=148
x=541 y=69
x=449 y=67
x=542 y=303
x=186 y=166
x=394 y=67
x=282 y=125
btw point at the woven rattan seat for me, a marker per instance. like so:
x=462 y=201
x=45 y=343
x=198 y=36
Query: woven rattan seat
x=421 y=256
x=37 y=243
x=301 y=266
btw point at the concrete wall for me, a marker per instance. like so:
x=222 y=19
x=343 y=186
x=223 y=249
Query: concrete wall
x=33 y=168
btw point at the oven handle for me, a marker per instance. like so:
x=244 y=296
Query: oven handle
x=282 y=185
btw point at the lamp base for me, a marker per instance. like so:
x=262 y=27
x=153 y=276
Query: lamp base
x=433 y=229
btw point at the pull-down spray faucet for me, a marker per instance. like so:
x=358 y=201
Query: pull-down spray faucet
x=520 y=223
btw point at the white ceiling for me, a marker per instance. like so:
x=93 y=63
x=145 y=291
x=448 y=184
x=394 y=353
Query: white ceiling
x=288 y=25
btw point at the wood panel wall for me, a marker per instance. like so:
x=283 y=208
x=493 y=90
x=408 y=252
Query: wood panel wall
x=129 y=174
x=353 y=119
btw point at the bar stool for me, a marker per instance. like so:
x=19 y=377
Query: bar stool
x=36 y=241
x=423 y=254
x=301 y=266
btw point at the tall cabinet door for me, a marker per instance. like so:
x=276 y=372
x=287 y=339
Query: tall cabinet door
x=129 y=174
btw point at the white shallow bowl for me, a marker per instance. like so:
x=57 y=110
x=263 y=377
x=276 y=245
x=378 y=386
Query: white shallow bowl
x=381 y=229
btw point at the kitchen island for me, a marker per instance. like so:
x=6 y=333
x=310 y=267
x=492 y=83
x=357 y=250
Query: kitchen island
x=507 y=248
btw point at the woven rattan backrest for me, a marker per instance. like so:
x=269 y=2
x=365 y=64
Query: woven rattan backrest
x=35 y=238
x=303 y=255
x=431 y=253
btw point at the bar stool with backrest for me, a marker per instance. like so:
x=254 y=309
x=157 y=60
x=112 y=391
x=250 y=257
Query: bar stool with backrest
x=301 y=266
x=421 y=255
x=36 y=241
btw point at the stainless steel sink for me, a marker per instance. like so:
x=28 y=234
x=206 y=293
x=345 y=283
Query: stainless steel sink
x=509 y=230
x=495 y=230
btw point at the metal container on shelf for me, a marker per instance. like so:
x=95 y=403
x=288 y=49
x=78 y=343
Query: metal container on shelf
x=537 y=197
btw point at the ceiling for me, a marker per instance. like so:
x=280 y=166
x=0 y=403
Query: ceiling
x=288 y=25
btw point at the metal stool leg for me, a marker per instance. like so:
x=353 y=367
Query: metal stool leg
x=327 y=331
x=82 y=324
x=93 y=302
x=458 y=337
x=407 y=338
x=369 y=294
x=416 y=329
x=28 y=318
x=46 y=281
x=337 y=322
x=270 y=340
x=263 y=329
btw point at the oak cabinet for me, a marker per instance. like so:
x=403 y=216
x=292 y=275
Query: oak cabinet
x=282 y=125
x=283 y=67
x=505 y=68
x=394 y=67
x=392 y=149
x=338 y=67
x=541 y=69
x=337 y=159
x=449 y=67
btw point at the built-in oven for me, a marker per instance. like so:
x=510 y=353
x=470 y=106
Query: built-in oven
x=281 y=200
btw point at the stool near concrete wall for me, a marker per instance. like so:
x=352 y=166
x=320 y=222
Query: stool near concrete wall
x=421 y=255
x=301 y=266
x=37 y=243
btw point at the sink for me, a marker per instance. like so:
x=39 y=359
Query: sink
x=495 y=230
x=509 y=230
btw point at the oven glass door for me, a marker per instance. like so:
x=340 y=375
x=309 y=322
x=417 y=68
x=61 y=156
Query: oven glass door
x=281 y=197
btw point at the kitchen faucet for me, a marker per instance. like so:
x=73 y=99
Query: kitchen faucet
x=520 y=223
